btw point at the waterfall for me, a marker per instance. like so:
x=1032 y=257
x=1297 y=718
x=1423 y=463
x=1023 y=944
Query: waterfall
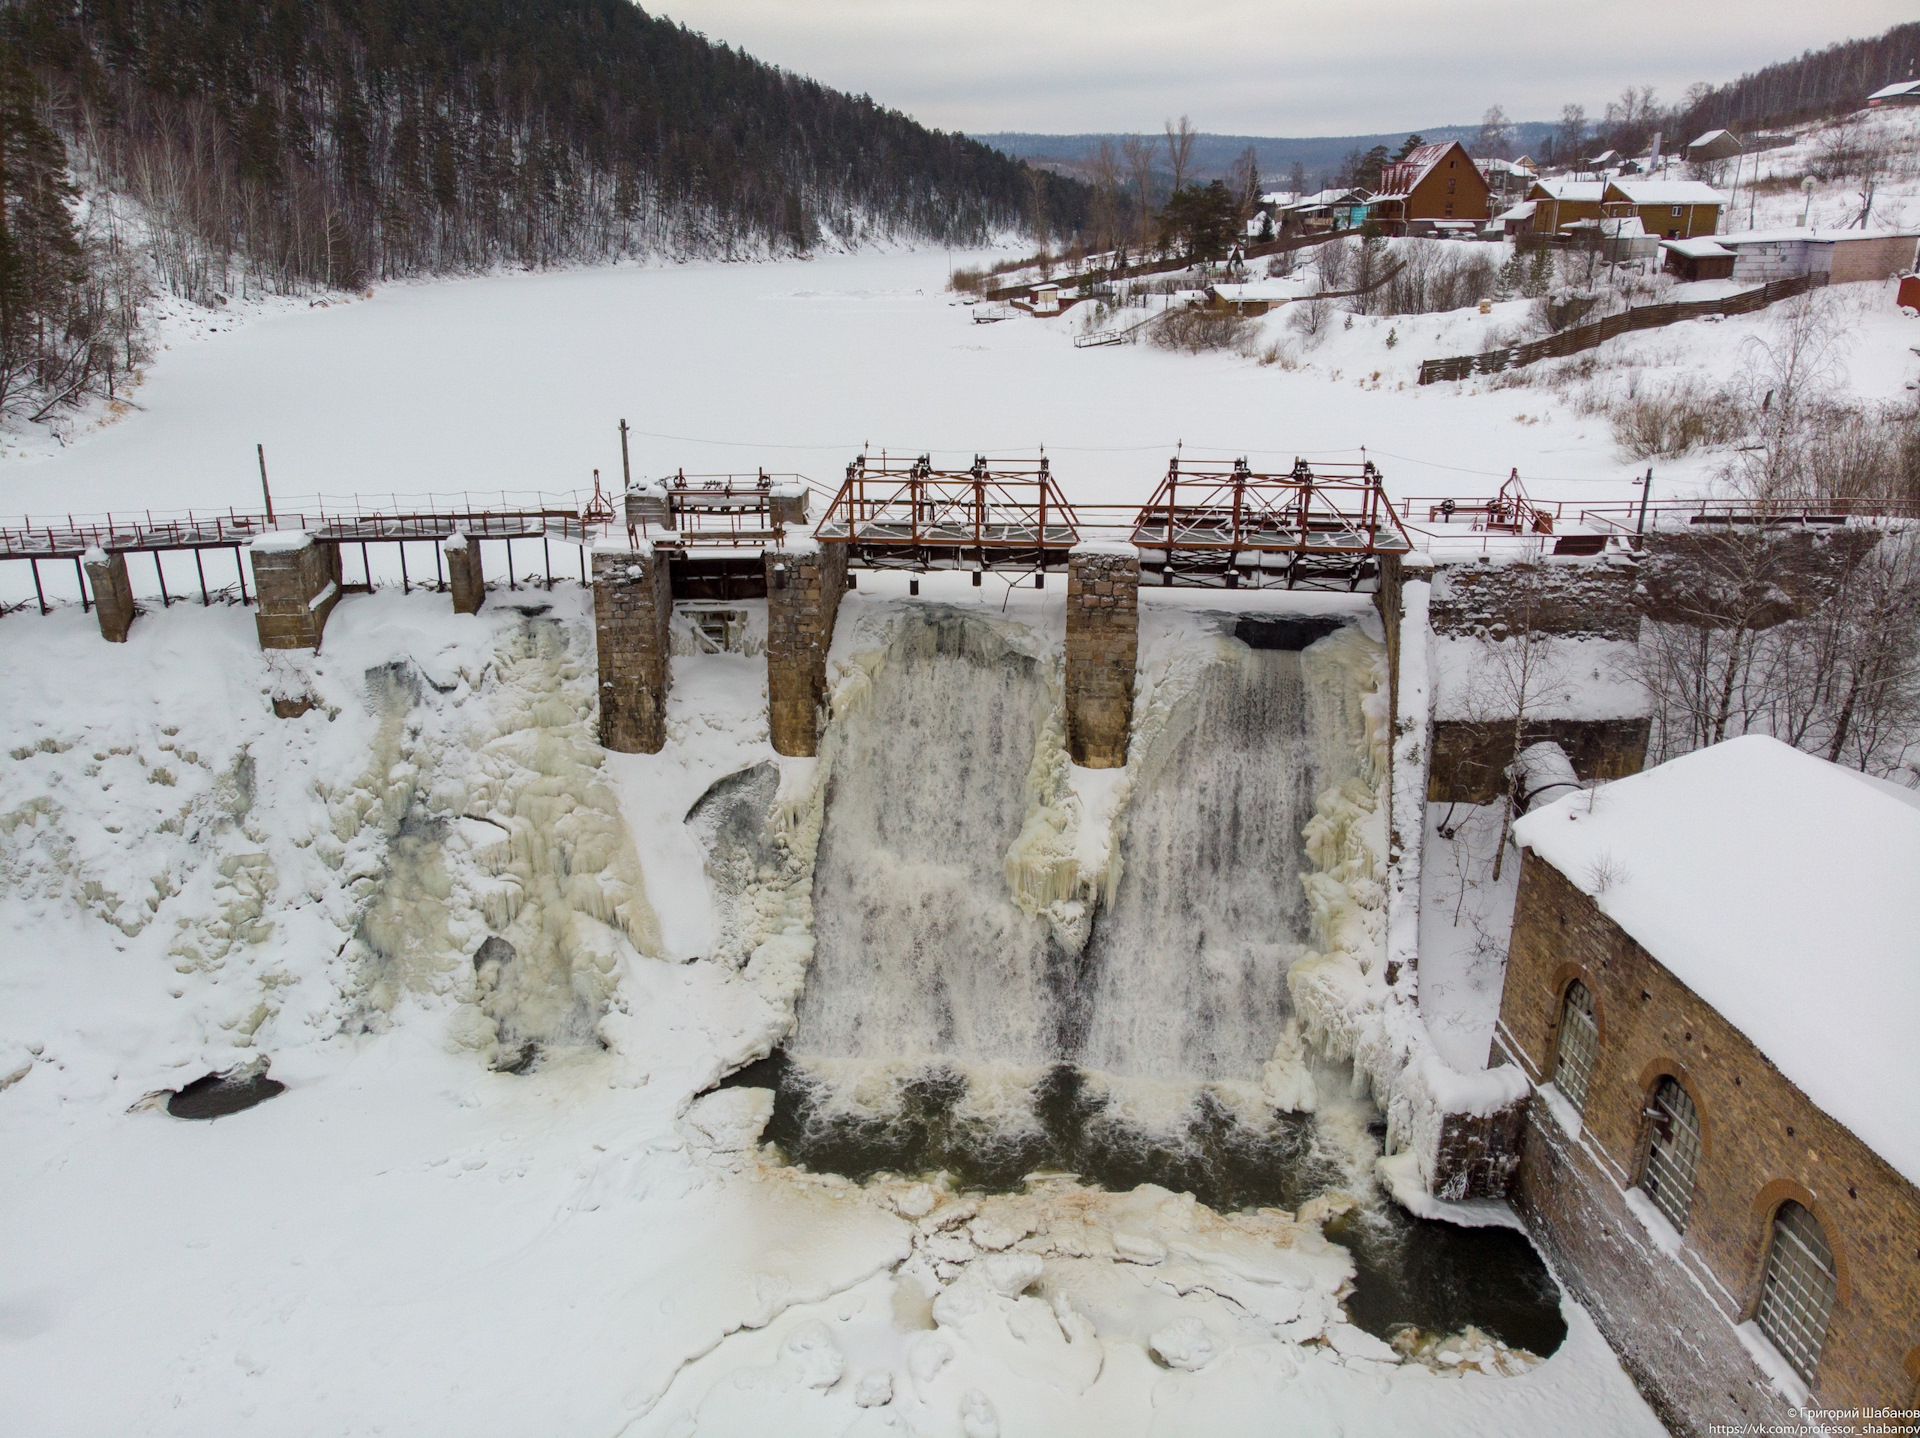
x=921 y=948
x=926 y=947
x=1186 y=973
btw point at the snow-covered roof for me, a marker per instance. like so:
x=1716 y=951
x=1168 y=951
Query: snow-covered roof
x=1402 y=177
x=1668 y=192
x=1780 y=889
x=1700 y=247
x=1813 y=236
x=1320 y=198
x=1576 y=191
x=1271 y=291
x=1522 y=211
x=1895 y=91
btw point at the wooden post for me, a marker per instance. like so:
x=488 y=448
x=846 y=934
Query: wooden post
x=201 y=570
x=266 y=491
x=38 y=593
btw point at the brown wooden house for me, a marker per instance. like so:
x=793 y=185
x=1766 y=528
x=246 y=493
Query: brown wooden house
x=1434 y=185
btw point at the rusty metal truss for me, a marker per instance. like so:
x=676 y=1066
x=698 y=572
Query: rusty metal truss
x=912 y=516
x=1312 y=527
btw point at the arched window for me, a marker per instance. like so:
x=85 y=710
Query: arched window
x=1797 y=1293
x=1579 y=1044
x=1673 y=1151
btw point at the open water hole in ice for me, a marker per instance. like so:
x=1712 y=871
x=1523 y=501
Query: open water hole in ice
x=1412 y=1273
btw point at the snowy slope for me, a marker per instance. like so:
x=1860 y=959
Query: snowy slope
x=1781 y=890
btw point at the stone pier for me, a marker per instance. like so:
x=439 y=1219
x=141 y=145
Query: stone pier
x=632 y=608
x=805 y=582
x=1103 y=640
x=464 y=575
x=112 y=593
x=297 y=583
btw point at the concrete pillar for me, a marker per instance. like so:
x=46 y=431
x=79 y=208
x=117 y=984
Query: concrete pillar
x=1476 y=1154
x=469 y=585
x=296 y=579
x=1103 y=640
x=805 y=582
x=112 y=593
x=632 y=608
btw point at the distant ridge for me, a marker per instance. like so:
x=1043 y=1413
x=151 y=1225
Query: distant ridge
x=1213 y=154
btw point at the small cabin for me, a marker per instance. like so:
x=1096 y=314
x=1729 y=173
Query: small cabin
x=1702 y=258
x=1046 y=299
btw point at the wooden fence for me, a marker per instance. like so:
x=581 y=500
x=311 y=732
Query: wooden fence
x=1586 y=337
x=1260 y=249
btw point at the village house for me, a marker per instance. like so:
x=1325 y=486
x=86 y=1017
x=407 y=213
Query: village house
x=1673 y=209
x=1713 y=984
x=1434 y=187
x=1843 y=256
x=1557 y=204
x=1905 y=92
x=1324 y=210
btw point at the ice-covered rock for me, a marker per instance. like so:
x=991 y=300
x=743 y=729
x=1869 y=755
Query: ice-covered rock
x=730 y=1120
x=1009 y=1274
x=811 y=1349
x=927 y=1357
x=977 y=1418
x=1138 y=1248
x=1186 y=1343
x=874 y=1390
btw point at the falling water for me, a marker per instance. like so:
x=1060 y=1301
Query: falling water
x=1186 y=975
x=920 y=947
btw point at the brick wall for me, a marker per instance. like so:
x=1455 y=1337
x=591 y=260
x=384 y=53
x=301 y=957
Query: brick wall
x=1763 y=1141
x=112 y=596
x=805 y=584
x=632 y=609
x=1470 y=760
x=1579 y=598
x=296 y=589
x=1103 y=640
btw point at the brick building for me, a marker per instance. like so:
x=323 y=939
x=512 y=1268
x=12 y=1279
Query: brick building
x=1714 y=984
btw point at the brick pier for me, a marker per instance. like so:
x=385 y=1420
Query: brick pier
x=297 y=580
x=112 y=593
x=805 y=582
x=464 y=576
x=632 y=607
x=1103 y=639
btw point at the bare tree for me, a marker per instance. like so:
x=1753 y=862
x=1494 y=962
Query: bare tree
x=1788 y=376
x=1496 y=134
x=1514 y=677
x=1571 y=133
x=1103 y=173
x=1139 y=157
x=1180 y=140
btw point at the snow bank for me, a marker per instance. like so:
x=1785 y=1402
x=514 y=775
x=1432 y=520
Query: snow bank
x=280 y=541
x=1745 y=867
x=1568 y=679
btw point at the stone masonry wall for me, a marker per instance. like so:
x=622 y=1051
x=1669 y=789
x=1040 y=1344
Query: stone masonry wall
x=297 y=587
x=632 y=611
x=1763 y=1141
x=1470 y=760
x=1103 y=640
x=112 y=594
x=805 y=583
x=1576 y=597
x=465 y=577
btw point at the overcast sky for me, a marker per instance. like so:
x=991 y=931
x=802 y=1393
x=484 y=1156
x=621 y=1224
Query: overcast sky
x=1277 y=68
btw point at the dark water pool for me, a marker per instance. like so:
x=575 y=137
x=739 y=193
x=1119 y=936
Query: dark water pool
x=1411 y=1272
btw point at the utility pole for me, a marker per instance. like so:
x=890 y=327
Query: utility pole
x=626 y=469
x=265 y=491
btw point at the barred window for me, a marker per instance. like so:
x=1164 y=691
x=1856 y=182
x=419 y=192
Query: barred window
x=1673 y=1151
x=1579 y=1045
x=1797 y=1294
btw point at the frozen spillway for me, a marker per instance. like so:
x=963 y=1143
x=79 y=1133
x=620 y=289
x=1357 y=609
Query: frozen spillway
x=1186 y=974
x=920 y=947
